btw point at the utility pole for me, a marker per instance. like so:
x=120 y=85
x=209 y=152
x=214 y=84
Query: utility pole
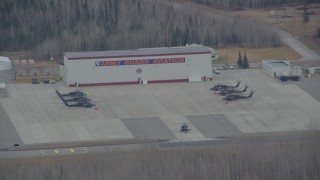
x=51 y=59
x=226 y=57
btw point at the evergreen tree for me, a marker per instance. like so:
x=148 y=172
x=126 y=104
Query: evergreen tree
x=239 y=62
x=245 y=63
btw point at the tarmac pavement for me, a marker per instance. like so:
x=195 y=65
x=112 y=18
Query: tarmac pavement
x=311 y=85
x=8 y=134
x=156 y=111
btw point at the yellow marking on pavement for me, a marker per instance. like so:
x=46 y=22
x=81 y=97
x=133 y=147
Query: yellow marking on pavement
x=64 y=151
x=84 y=150
x=43 y=153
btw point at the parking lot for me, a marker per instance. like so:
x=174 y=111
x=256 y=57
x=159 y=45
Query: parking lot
x=156 y=111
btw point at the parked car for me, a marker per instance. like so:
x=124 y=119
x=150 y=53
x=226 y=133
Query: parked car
x=216 y=71
x=50 y=81
x=35 y=81
x=228 y=67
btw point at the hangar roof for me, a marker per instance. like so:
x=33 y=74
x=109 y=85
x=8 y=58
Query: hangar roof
x=277 y=63
x=165 y=51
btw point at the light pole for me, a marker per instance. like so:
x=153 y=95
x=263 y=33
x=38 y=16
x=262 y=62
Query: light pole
x=51 y=59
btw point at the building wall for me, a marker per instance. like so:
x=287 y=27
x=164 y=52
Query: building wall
x=5 y=63
x=285 y=71
x=85 y=71
x=267 y=68
x=297 y=71
x=275 y=71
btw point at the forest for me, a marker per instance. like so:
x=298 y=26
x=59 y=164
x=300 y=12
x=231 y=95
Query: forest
x=55 y=26
x=294 y=159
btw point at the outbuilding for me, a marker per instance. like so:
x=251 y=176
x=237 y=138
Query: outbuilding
x=308 y=68
x=144 y=66
x=5 y=63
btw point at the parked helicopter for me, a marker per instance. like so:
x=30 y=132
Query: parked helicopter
x=234 y=97
x=184 y=128
x=74 y=93
x=81 y=104
x=232 y=91
x=78 y=99
x=221 y=86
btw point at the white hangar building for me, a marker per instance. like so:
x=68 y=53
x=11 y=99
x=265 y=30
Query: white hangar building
x=151 y=65
x=276 y=68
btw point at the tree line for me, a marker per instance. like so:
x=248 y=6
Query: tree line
x=85 y=25
x=294 y=159
x=241 y=4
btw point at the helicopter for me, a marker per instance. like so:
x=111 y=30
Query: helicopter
x=81 y=104
x=184 y=128
x=78 y=99
x=234 y=97
x=232 y=91
x=74 y=93
x=221 y=86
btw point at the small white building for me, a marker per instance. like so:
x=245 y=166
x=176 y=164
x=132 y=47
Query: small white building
x=307 y=68
x=5 y=63
x=144 y=66
x=313 y=70
x=2 y=85
x=276 y=68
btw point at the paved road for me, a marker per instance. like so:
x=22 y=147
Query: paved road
x=55 y=152
x=304 y=51
x=72 y=149
x=241 y=140
x=16 y=153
